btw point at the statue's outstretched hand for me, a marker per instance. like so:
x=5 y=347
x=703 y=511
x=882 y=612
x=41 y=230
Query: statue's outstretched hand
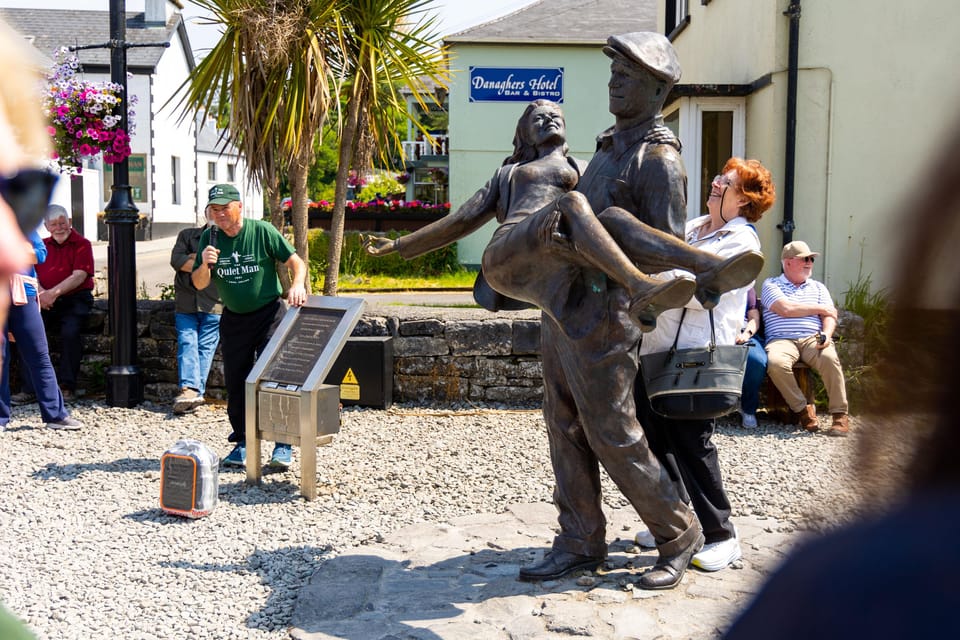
x=377 y=245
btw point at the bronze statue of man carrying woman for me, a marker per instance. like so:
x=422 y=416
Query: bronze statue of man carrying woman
x=545 y=227
x=578 y=243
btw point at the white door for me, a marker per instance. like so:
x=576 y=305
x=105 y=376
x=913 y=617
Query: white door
x=711 y=130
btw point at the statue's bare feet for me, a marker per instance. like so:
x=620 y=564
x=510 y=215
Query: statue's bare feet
x=671 y=294
x=727 y=275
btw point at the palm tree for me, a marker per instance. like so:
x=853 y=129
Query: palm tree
x=382 y=45
x=269 y=79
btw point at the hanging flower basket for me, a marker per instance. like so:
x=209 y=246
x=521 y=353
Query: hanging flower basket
x=84 y=116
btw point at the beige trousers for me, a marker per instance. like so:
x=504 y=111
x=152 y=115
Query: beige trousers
x=785 y=353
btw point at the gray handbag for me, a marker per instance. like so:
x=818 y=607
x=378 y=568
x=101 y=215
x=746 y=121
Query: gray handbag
x=695 y=384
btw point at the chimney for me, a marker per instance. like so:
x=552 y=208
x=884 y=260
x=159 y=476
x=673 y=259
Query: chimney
x=155 y=13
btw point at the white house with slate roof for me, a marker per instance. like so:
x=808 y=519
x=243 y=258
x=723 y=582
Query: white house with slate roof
x=550 y=49
x=168 y=185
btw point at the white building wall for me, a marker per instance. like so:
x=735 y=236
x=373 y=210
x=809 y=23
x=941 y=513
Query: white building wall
x=876 y=92
x=172 y=138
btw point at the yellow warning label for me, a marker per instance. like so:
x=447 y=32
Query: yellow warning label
x=349 y=377
x=349 y=392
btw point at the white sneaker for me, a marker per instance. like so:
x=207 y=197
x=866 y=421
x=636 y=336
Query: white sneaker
x=645 y=539
x=748 y=420
x=717 y=555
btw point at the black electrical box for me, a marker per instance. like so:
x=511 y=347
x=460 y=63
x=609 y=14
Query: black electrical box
x=364 y=372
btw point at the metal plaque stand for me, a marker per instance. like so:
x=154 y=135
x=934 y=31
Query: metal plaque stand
x=286 y=400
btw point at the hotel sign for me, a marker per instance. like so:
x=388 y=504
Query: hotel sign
x=500 y=84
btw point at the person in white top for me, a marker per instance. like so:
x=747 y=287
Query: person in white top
x=739 y=196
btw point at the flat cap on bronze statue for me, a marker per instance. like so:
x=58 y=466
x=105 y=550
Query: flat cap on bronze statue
x=650 y=50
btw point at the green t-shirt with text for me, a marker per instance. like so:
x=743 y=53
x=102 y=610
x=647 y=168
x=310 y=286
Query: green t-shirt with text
x=246 y=273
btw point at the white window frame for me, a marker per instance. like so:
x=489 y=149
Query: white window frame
x=175 y=179
x=683 y=10
x=691 y=132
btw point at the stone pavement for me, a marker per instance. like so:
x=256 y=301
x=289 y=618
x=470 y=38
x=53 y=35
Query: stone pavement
x=459 y=580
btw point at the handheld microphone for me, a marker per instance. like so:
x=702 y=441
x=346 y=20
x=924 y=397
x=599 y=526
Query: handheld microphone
x=213 y=242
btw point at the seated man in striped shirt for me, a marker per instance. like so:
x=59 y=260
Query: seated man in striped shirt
x=799 y=319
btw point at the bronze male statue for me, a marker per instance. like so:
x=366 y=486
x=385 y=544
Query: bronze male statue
x=588 y=381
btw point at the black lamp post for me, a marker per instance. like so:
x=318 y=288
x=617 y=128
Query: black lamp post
x=124 y=381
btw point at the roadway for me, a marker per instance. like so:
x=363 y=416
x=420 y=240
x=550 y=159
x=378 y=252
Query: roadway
x=154 y=271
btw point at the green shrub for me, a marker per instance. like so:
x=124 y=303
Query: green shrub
x=873 y=307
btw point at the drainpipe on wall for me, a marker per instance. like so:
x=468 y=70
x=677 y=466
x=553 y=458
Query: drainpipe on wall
x=788 y=225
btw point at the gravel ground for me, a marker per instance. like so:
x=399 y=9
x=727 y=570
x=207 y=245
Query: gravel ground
x=85 y=551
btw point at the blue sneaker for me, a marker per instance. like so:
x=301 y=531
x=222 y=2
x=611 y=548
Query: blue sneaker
x=282 y=456
x=237 y=457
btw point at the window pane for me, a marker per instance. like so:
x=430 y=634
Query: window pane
x=231 y=173
x=212 y=171
x=716 y=148
x=672 y=121
x=175 y=179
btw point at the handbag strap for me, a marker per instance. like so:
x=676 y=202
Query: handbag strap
x=713 y=332
x=676 y=338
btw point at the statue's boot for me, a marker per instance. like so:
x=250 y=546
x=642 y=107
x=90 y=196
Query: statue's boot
x=727 y=275
x=654 y=297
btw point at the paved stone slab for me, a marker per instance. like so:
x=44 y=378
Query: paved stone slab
x=459 y=580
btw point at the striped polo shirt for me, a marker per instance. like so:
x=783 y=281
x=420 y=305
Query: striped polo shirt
x=776 y=327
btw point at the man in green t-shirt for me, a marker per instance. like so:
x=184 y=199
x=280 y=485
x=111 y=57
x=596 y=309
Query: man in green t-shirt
x=239 y=256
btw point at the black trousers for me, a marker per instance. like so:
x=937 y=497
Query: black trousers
x=243 y=337
x=685 y=449
x=67 y=317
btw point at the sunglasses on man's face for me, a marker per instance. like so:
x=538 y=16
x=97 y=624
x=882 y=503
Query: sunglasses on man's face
x=28 y=193
x=808 y=259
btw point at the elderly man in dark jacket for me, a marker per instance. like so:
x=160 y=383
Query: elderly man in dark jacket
x=197 y=321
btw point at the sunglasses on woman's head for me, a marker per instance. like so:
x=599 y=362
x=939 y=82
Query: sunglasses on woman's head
x=28 y=193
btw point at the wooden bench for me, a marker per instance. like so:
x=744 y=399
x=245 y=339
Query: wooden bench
x=772 y=401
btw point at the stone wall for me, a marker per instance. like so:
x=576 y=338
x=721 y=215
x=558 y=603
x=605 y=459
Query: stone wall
x=440 y=354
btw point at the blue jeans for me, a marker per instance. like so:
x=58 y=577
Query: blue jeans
x=753 y=376
x=37 y=372
x=197 y=337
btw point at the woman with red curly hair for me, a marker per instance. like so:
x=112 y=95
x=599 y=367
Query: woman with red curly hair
x=739 y=196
